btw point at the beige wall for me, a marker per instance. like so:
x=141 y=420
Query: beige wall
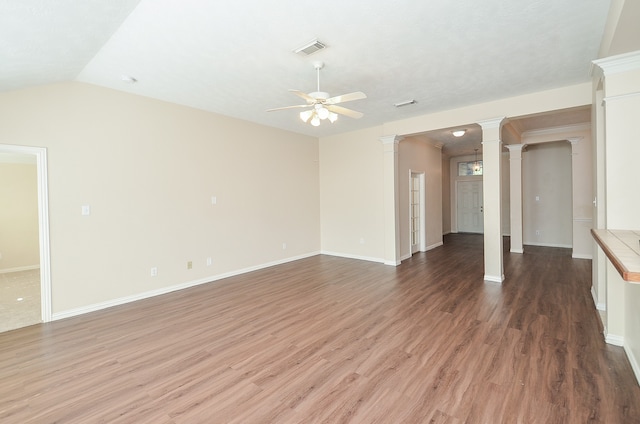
x=416 y=154
x=446 y=195
x=148 y=169
x=546 y=174
x=19 y=248
x=351 y=195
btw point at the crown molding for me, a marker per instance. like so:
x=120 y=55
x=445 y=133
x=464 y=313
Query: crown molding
x=556 y=130
x=618 y=63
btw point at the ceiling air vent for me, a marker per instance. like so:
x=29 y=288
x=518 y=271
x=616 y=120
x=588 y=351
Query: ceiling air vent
x=405 y=103
x=310 y=48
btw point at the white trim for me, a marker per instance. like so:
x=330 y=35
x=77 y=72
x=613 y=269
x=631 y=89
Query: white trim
x=140 y=296
x=405 y=257
x=556 y=130
x=350 y=256
x=493 y=278
x=564 y=246
x=43 y=222
x=423 y=212
x=633 y=361
x=516 y=250
x=433 y=246
x=599 y=306
x=392 y=263
x=612 y=339
x=619 y=63
x=581 y=256
x=20 y=268
x=620 y=96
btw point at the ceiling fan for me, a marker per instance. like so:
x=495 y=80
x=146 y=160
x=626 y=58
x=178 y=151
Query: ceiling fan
x=322 y=106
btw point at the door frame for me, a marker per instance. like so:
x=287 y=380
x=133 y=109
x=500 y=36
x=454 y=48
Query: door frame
x=457 y=203
x=43 y=221
x=422 y=244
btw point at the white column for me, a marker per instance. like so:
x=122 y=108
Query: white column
x=582 y=191
x=492 y=196
x=515 y=191
x=391 y=206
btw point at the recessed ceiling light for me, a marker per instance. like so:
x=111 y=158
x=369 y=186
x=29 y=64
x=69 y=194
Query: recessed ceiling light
x=127 y=79
x=458 y=133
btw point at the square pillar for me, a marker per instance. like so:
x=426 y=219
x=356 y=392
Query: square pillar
x=515 y=191
x=492 y=197
x=391 y=206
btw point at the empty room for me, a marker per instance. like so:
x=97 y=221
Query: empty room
x=336 y=212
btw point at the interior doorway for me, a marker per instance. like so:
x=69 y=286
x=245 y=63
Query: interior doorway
x=417 y=212
x=30 y=276
x=470 y=208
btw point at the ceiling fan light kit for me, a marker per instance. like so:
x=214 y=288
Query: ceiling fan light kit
x=322 y=106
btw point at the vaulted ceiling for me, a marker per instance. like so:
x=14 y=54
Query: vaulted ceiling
x=236 y=57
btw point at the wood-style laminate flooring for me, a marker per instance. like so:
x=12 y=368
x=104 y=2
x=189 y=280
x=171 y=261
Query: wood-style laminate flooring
x=333 y=340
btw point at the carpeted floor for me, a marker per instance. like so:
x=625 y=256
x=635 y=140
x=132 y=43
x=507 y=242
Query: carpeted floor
x=19 y=299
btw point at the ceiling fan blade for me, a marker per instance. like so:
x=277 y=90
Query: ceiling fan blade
x=346 y=98
x=286 y=107
x=304 y=95
x=344 y=111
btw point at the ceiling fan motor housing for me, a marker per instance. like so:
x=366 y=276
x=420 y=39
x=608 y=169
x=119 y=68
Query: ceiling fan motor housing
x=319 y=95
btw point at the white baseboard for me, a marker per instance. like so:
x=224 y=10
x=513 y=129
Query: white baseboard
x=516 y=251
x=434 y=245
x=494 y=278
x=20 y=268
x=613 y=339
x=533 y=243
x=349 y=256
x=581 y=256
x=634 y=363
x=145 y=295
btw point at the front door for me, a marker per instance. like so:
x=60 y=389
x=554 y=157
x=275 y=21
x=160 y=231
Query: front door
x=470 y=209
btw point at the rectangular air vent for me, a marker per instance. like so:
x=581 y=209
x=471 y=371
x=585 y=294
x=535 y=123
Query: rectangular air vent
x=405 y=103
x=310 y=48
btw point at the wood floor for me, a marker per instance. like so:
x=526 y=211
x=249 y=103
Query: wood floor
x=332 y=340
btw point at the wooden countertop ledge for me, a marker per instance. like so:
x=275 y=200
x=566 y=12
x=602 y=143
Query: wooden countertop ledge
x=622 y=247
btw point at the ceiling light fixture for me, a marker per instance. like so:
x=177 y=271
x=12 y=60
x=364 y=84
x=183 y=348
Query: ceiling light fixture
x=458 y=133
x=316 y=114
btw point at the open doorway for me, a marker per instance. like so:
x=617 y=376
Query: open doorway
x=417 y=212
x=25 y=293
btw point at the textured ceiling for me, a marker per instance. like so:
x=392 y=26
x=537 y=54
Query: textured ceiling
x=235 y=58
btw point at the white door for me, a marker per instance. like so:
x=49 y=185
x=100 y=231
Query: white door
x=414 y=210
x=470 y=209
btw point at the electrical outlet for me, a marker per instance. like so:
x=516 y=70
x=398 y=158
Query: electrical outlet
x=189 y=265
x=209 y=261
x=154 y=271
x=537 y=232
x=284 y=246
